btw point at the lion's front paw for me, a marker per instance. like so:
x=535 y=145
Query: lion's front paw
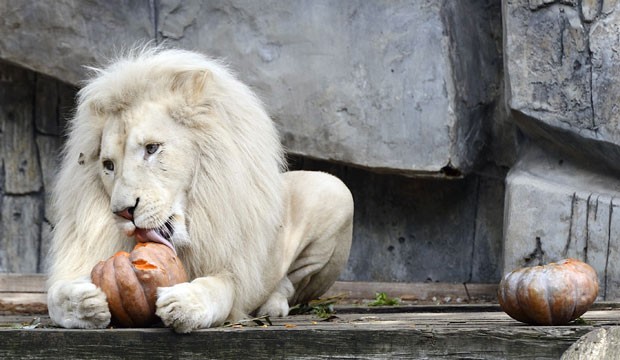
x=185 y=307
x=78 y=304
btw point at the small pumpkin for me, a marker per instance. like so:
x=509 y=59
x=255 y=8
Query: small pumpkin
x=130 y=282
x=552 y=294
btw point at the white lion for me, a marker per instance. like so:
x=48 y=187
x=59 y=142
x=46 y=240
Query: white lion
x=166 y=145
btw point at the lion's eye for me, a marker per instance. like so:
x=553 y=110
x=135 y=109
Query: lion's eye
x=151 y=148
x=108 y=165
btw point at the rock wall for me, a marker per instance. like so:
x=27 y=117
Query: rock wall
x=561 y=66
x=350 y=81
x=379 y=94
x=354 y=82
x=60 y=38
x=420 y=107
x=557 y=209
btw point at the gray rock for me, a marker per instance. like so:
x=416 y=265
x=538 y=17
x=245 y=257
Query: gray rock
x=58 y=38
x=599 y=344
x=560 y=70
x=403 y=87
x=353 y=83
x=546 y=57
x=409 y=87
x=604 y=45
x=608 y=6
x=561 y=61
x=590 y=9
x=555 y=209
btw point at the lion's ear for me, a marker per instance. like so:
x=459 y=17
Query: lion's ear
x=191 y=84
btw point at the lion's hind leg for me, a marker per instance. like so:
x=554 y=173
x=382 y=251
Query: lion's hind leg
x=319 y=223
x=278 y=302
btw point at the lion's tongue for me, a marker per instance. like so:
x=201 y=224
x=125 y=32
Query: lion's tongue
x=146 y=235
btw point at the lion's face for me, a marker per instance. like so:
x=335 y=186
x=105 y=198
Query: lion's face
x=146 y=168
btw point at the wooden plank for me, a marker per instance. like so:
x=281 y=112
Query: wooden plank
x=21 y=166
x=366 y=318
x=22 y=298
x=425 y=308
x=22 y=283
x=318 y=341
x=414 y=291
x=46 y=105
x=49 y=148
x=21 y=194
x=353 y=289
x=46 y=241
x=20 y=231
x=54 y=102
x=23 y=303
x=475 y=335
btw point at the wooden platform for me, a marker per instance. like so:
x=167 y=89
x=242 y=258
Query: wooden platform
x=412 y=332
x=432 y=330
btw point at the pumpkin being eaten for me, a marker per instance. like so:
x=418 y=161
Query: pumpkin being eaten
x=130 y=282
x=553 y=294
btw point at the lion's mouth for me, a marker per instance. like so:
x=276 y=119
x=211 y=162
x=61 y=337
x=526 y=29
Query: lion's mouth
x=160 y=235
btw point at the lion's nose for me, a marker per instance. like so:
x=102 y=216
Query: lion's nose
x=126 y=213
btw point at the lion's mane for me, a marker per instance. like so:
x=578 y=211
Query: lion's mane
x=234 y=206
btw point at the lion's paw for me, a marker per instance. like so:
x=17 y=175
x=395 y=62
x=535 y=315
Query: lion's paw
x=78 y=304
x=276 y=306
x=184 y=307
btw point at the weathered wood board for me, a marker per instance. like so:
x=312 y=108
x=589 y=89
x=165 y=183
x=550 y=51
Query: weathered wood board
x=416 y=291
x=434 y=330
x=22 y=283
x=22 y=294
x=409 y=335
x=33 y=109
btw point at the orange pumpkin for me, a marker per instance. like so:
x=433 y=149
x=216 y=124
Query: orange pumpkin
x=130 y=282
x=552 y=294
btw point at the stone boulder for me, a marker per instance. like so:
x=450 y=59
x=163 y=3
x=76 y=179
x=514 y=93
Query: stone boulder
x=60 y=37
x=408 y=87
x=405 y=88
x=599 y=344
x=561 y=65
x=555 y=209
